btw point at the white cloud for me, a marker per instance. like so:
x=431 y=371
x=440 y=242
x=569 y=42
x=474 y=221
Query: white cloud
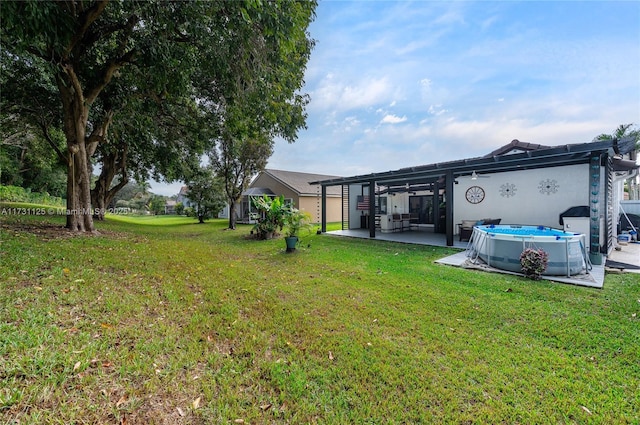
x=479 y=137
x=419 y=45
x=335 y=94
x=478 y=74
x=436 y=110
x=393 y=119
x=350 y=123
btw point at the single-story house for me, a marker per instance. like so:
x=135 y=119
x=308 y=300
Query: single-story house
x=519 y=183
x=296 y=189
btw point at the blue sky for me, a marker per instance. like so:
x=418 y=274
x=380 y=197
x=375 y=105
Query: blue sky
x=398 y=83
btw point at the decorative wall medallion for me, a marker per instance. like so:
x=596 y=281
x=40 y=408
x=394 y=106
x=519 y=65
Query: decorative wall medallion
x=548 y=186
x=475 y=194
x=507 y=190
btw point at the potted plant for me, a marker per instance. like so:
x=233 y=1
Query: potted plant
x=295 y=221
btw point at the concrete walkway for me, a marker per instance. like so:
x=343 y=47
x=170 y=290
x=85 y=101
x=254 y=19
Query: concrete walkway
x=627 y=254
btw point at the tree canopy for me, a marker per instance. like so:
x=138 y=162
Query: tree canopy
x=148 y=87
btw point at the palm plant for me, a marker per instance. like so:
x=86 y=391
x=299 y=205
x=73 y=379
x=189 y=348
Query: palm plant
x=623 y=131
x=273 y=212
x=297 y=221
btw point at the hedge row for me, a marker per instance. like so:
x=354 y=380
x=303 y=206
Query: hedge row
x=20 y=194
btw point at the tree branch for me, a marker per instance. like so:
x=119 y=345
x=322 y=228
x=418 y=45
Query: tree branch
x=107 y=74
x=87 y=18
x=115 y=64
x=47 y=136
x=99 y=133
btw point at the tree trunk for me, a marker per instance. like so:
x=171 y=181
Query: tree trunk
x=100 y=191
x=99 y=202
x=79 y=214
x=102 y=194
x=232 y=215
x=75 y=114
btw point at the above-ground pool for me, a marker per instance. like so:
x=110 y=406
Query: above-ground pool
x=500 y=246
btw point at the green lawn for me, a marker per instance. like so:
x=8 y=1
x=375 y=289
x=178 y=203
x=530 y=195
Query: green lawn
x=163 y=320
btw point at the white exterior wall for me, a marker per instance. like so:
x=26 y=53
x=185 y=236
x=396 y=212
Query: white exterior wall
x=398 y=203
x=530 y=204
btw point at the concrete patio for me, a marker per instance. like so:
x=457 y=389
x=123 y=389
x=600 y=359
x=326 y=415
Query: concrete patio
x=417 y=237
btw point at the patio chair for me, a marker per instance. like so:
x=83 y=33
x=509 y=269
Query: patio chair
x=465 y=229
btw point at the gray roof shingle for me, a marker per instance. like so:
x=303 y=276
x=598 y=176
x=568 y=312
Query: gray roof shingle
x=299 y=182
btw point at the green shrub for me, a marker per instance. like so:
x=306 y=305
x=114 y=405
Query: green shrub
x=12 y=193
x=20 y=194
x=189 y=212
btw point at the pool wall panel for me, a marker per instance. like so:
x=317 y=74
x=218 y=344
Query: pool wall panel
x=503 y=251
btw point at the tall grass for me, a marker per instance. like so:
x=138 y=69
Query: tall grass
x=163 y=320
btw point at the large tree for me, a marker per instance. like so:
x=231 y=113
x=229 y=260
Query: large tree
x=149 y=137
x=265 y=101
x=174 y=53
x=237 y=159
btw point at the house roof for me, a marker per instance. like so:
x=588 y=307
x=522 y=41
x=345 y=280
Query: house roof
x=300 y=182
x=511 y=157
x=257 y=191
x=516 y=146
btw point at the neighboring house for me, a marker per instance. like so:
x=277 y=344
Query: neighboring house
x=520 y=183
x=296 y=189
x=170 y=206
x=182 y=197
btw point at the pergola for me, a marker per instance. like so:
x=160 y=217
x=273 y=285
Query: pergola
x=442 y=176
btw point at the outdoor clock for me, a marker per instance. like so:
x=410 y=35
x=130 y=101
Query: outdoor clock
x=475 y=194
